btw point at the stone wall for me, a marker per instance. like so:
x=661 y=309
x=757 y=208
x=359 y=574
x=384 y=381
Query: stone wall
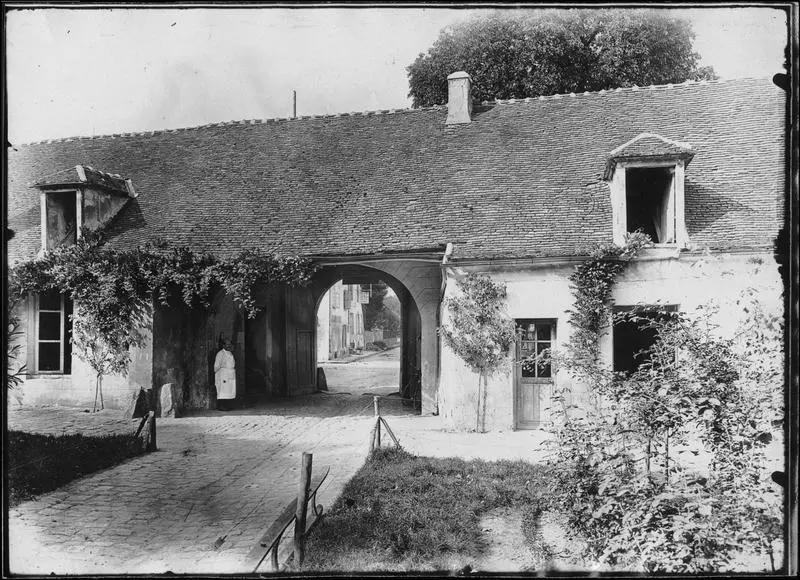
x=543 y=292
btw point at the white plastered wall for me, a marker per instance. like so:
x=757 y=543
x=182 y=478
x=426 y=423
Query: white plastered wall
x=543 y=292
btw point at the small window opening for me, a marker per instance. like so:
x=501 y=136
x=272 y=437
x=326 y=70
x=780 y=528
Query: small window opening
x=633 y=338
x=62 y=229
x=649 y=202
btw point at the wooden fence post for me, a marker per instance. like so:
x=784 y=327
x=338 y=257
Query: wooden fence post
x=376 y=402
x=152 y=442
x=300 y=514
x=372 y=435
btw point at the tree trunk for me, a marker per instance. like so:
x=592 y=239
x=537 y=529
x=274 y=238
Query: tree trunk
x=483 y=407
x=100 y=383
x=478 y=406
x=96 y=392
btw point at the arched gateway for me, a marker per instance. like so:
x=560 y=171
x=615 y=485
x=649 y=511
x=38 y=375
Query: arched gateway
x=276 y=350
x=417 y=285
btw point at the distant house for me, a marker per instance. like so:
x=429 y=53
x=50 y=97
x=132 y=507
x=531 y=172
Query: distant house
x=340 y=322
x=515 y=189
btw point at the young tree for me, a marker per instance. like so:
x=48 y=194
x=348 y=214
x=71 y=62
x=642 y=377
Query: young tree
x=515 y=54
x=377 y=313
x=480 y=332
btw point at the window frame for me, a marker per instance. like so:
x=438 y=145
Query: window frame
x=36 y=341
x=553 y=323
x=43 y=212
x=619 y=198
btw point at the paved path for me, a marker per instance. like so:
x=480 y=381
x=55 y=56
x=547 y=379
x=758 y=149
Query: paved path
x=218 y=480
x=377 y=373
x=199 y=503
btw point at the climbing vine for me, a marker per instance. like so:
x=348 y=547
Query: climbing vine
x=592 y=284
x=114 y=289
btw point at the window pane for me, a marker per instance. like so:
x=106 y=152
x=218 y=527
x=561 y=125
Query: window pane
x=543 y=331
x=49 y=326
x=50 y=300
x=528 y=370
x=49 y=356
x=543 y=368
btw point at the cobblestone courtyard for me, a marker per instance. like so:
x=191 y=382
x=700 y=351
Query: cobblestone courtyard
x=199 y=503
x=218 y=480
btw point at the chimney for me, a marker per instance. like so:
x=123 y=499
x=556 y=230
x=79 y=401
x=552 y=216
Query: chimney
x=459 y=98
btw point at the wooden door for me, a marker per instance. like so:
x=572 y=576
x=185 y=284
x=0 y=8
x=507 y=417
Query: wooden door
x=532 y=380
x=305 y=358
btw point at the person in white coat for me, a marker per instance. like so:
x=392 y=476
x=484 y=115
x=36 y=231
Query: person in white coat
x=225 y=377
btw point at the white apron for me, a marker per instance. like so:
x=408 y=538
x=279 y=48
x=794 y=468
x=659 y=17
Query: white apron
x=225 y=375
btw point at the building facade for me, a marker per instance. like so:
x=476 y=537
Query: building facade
x=340 y=322
x=518 y=190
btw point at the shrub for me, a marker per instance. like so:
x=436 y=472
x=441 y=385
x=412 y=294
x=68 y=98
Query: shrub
x=624 y=475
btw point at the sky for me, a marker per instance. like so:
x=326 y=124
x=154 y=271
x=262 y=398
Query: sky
x=73 y=72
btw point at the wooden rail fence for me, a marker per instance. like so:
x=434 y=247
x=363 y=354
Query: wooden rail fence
x=375 y=435
x=295 y=512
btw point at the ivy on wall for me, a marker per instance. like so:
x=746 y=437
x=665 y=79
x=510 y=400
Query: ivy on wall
x=114 y=289
x=592 y=283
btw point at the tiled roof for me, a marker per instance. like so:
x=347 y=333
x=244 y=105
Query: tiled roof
x=645 y=147
x=80 y=175
x=524 y=179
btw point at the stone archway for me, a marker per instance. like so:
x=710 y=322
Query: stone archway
x=411 y=322
x=418 y=286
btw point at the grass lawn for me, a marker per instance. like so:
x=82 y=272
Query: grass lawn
x=41 y=463
x=403 y=512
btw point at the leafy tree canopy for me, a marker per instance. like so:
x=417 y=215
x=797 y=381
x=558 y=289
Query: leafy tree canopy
x=380 y=312
x=515 y=54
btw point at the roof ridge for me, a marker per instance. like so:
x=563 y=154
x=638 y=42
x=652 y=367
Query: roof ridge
x=517 y=100
x=640 y=136
x=513 y=100
x=371 y=113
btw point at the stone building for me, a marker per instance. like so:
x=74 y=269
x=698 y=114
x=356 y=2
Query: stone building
x=340 y=322
x=418 y=198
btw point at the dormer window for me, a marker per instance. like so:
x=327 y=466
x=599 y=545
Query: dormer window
x=61 y=218
x=646 y=176
x=77 y=197
x=650 y=202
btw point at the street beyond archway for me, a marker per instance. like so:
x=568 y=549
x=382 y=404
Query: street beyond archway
x=374 y=374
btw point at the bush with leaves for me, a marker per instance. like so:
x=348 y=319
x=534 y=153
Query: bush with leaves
x=479 y=332
x=625 y=475
x=13 y=347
